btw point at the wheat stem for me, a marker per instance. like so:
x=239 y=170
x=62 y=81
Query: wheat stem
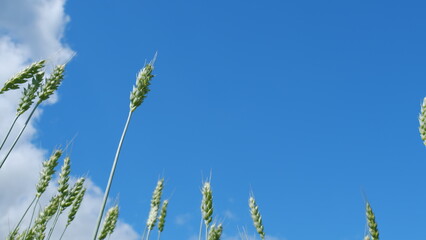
x=136 y=98
x=148 y=233
x=23 y=216
x=19 y=135
x=55 y=221
x=10 y=130
x=201 y=229
x=63 y=232
x=111 y=176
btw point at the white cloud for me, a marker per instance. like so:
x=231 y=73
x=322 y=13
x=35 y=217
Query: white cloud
x=183 y=219
x=31 y=30
x=229 y=215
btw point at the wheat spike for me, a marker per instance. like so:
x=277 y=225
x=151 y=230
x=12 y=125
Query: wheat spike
x=47 y=172
x=39 y=228
x=215 y=232
x=155 y=204
x=162 y=217
x=29 y=93
x=75 y=206
x=422 y=121
x=23 y=76
x=257 y=218
x=207 y=203
x=72 y=194
x=141 y=89
x=371 y=220
x=52 y=83
x=109 y=223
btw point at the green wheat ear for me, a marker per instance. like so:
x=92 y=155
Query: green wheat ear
x=141 y=89
x=207 y=203
x=256 y=217
x=215 y=232
x=163 y=214
x=29 y=93
x=155 y=204
x=47 y=171
x=109 y=223
x=23 y=76
x=52 y=83
x=422 y=121
x=371 y=220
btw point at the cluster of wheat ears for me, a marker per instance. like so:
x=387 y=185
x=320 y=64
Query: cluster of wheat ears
x=38 y=87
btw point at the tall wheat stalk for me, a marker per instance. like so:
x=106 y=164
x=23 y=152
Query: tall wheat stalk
x=137 y=96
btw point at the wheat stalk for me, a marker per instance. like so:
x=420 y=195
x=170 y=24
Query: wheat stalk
x=46 y=89
x=27 y=99
x=136 y=98
x=45 y=176
x=257 y=218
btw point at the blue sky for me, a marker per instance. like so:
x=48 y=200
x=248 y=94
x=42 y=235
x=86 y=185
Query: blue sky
x=305 y=103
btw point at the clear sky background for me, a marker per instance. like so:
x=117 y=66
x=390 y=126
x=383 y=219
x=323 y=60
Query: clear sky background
x=307 y=104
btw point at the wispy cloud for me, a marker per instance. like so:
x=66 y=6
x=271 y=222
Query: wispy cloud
x=31 y=30
x=183 y=219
